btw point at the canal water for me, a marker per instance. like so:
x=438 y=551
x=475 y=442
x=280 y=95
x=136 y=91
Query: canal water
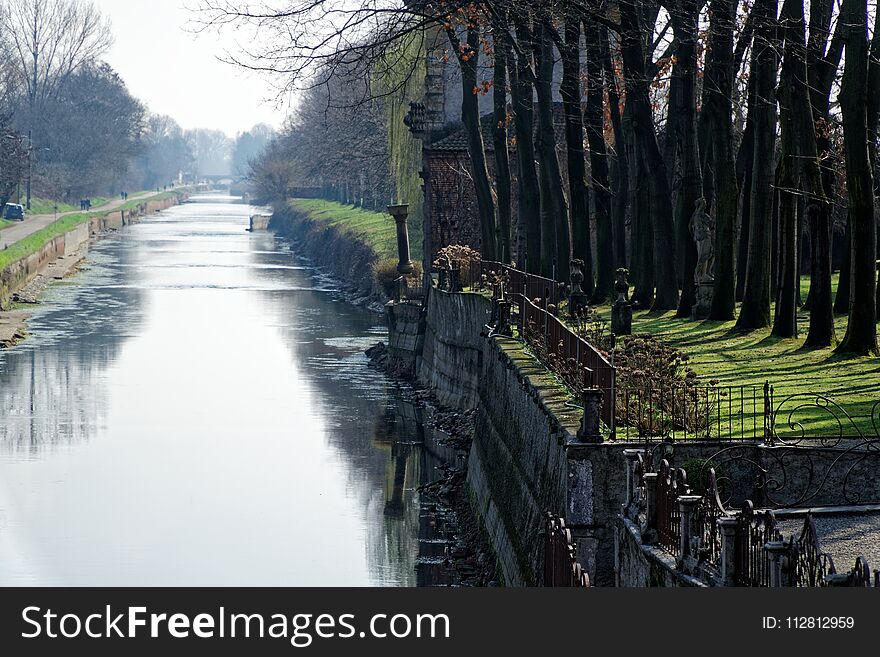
x=195 y=408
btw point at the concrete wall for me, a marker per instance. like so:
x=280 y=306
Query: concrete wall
x=406 y=335
x=518 y=466
x=451 y=359
x=259 y=222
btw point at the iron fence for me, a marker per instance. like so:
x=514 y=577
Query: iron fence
x=671 y=483
x=561 y=567
x=753 y=531
x=579 y=364
x=544 y=292
x=680 y=411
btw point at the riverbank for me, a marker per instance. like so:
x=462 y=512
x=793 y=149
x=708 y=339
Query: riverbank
x=354 y=245
x=54 y=252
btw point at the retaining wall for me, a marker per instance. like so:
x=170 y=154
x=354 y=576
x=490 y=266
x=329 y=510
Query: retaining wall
x=19 y=273
x=346 y=258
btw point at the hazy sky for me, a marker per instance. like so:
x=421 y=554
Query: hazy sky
x=177 y=72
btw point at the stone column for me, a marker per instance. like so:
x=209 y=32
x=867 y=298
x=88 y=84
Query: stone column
x=687 y=508
x=589 y=431
x=621 y=310
x=778 y=563
x=400 y=213
x=727 y=527
x=632 y=458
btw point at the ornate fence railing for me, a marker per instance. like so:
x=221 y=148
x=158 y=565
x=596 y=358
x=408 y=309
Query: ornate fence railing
x=753 y=531
x=744 y=547
x=671 y=483
x=569 y=356
x=545 y=292
x=561 y=567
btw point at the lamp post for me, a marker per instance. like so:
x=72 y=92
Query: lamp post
x=30 y=167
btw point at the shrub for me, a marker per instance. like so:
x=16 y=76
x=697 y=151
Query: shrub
x=385 y=273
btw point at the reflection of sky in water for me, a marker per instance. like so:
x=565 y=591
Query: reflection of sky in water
x=198 y=410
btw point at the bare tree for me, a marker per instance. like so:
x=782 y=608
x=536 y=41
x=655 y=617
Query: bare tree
x=50 y=40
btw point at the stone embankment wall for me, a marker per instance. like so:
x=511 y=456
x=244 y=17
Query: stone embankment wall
x=19 y=273
x=345 y=258
x=453 y=348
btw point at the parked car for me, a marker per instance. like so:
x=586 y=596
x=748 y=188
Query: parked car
x=13 y=212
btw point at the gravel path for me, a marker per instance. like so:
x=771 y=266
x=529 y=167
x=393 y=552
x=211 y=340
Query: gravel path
x=844 y=537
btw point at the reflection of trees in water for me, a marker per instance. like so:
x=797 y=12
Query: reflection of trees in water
x=51 y=387
x=378 y=435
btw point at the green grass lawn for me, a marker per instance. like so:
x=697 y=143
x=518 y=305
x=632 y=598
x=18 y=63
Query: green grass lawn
x=47 y=206
x=718 y=352
x=376 y=229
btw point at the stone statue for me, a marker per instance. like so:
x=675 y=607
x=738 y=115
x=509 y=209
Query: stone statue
x=703 y=232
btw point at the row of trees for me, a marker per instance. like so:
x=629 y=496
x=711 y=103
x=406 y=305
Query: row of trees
x=69 y=126
x=340 y=154
x=745 y=105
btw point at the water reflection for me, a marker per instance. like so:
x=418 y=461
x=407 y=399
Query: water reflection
x=197 y=410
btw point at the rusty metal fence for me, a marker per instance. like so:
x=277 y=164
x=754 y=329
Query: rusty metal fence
x=579 y=364
x=561 y=567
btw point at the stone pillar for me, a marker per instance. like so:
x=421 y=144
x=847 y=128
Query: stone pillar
x=400 y=213
x=687 y=508
x=589 y=431
x=632 y=459
x=577 y=300
x=621 y=310
x=778 y=563
x=650 y=533
x=727 y=527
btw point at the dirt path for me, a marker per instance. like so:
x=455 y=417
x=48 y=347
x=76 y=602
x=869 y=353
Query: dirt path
x=20 y=230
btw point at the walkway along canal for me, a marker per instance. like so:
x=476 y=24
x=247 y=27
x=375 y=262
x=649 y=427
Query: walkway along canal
x=195 y=408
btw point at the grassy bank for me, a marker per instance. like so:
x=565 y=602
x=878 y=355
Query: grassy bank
x=34 y=242
x=718 y=352
x=375 y=229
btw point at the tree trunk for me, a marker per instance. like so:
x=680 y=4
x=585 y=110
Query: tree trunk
x=594 y=119
x=861 y=330
x=499 y=140
x=785 y=317
x=556 y=233
x=745 y=159
x=469 y=56
x=528 y=190
x=719 y=79
x=621 y=197
x=684 y=25
x=632 y=40
x=821 y=68
x=570 y=90
x=755 y=310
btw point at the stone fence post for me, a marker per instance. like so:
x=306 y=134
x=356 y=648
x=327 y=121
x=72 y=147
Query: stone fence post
x=589 y=430
x=632 y=459
x=780 y=572
x=687 y=508
x=727 y=526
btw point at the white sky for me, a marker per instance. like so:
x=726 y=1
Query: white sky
x=177 y=72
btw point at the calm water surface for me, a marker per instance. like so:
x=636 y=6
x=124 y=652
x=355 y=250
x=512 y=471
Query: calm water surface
x=195 y=409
